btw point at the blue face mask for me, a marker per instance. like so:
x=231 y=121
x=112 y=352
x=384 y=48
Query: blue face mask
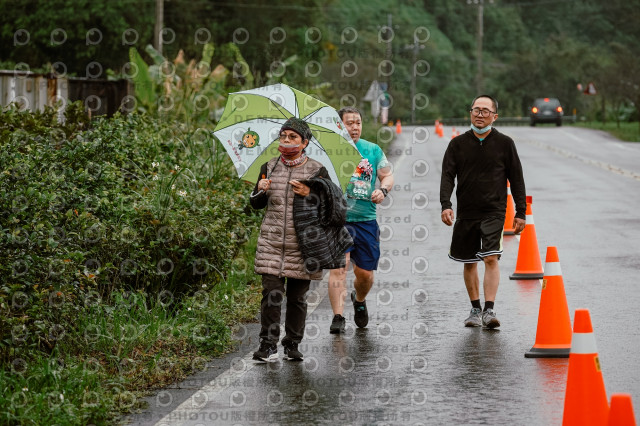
x=481 y=131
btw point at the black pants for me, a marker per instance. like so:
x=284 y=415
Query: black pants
x=272 y=295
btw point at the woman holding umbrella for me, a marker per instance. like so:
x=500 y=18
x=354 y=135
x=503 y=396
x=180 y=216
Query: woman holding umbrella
x=278 y=256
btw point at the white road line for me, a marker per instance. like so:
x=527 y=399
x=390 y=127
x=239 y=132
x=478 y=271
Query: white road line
x=572 y=136
x=619 y=145
x=596 y=163
x=239 y=367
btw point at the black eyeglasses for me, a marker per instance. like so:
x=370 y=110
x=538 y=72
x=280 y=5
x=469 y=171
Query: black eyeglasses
x=481 y=112
x=292 y=136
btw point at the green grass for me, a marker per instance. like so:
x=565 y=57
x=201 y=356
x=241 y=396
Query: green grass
x=118 y=352
x=629 y=132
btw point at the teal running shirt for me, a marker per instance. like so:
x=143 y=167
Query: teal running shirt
x=360 y=208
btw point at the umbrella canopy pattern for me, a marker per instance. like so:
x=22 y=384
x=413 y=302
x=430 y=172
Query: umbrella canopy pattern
x=251 y=122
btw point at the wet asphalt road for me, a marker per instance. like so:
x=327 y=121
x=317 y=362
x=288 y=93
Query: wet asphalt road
x=415 y=363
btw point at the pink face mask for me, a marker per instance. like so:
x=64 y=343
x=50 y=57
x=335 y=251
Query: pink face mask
x=290 y=150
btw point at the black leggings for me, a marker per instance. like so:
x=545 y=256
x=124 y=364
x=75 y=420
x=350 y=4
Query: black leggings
x=272 y=295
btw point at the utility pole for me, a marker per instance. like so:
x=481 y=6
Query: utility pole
x=479 y=78
x=157 y=29
x=415 y=47
x=390 y=26
x=389 y=50
x=479 y=36
x=413 y=80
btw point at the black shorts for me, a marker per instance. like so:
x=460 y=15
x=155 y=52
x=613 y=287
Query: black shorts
x=474 y=239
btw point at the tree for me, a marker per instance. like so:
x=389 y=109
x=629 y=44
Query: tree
x=81 y=37
x=620 y=78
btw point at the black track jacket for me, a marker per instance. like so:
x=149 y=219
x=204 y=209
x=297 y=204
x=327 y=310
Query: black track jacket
x=482 y=169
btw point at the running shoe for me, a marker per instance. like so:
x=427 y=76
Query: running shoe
x=267 y=352
x=474 y=319
x=489 y=319
x=361 y=315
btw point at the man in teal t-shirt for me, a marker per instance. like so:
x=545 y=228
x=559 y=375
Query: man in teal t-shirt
x=362 y=199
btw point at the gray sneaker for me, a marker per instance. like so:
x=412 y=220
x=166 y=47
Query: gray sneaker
x=475 y=318
x=489 y=319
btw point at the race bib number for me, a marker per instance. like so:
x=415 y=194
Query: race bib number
x=359 y=190
x=359 y=187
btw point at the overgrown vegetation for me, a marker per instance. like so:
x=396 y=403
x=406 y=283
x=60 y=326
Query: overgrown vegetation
x=123 y=259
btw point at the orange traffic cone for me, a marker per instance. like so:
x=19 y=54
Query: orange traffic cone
x=453 y=132
x=439 y=130
x=553 y=337
x=585 y=401
x=510 y=214
x=621 y=411
x=398 y=127
x=528 y=265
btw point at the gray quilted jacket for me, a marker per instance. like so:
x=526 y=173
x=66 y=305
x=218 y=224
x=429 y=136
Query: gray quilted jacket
x=278 y=252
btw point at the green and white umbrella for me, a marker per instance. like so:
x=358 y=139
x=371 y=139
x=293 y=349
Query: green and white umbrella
x=251 y=122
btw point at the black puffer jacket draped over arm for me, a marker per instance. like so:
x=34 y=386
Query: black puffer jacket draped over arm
x=319 y=220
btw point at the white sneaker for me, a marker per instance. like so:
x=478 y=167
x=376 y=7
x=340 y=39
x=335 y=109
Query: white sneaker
x=474 y=319
x=489 y=319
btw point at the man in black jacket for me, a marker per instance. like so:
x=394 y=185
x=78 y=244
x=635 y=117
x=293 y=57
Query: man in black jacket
x=482 y=160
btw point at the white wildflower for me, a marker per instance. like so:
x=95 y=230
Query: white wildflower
x=226 y=297
x=156 y=177
x=154 y=164
x=182 y=193
x=176 y=167
x=204 y=286
x=62 y=397
x=25 y=389
x=189 y=308
x=173 y=186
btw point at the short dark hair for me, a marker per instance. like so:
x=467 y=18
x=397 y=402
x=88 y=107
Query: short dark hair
x=495 y=103
x=349 y=110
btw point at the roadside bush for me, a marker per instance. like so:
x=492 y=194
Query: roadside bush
x=115 y=205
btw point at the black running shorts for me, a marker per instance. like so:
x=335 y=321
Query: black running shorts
x=474 y=239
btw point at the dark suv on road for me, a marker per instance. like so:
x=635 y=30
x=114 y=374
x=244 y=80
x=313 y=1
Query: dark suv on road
x=546 y=110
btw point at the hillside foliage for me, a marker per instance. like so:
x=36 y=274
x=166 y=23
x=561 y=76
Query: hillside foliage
x=336 y=49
